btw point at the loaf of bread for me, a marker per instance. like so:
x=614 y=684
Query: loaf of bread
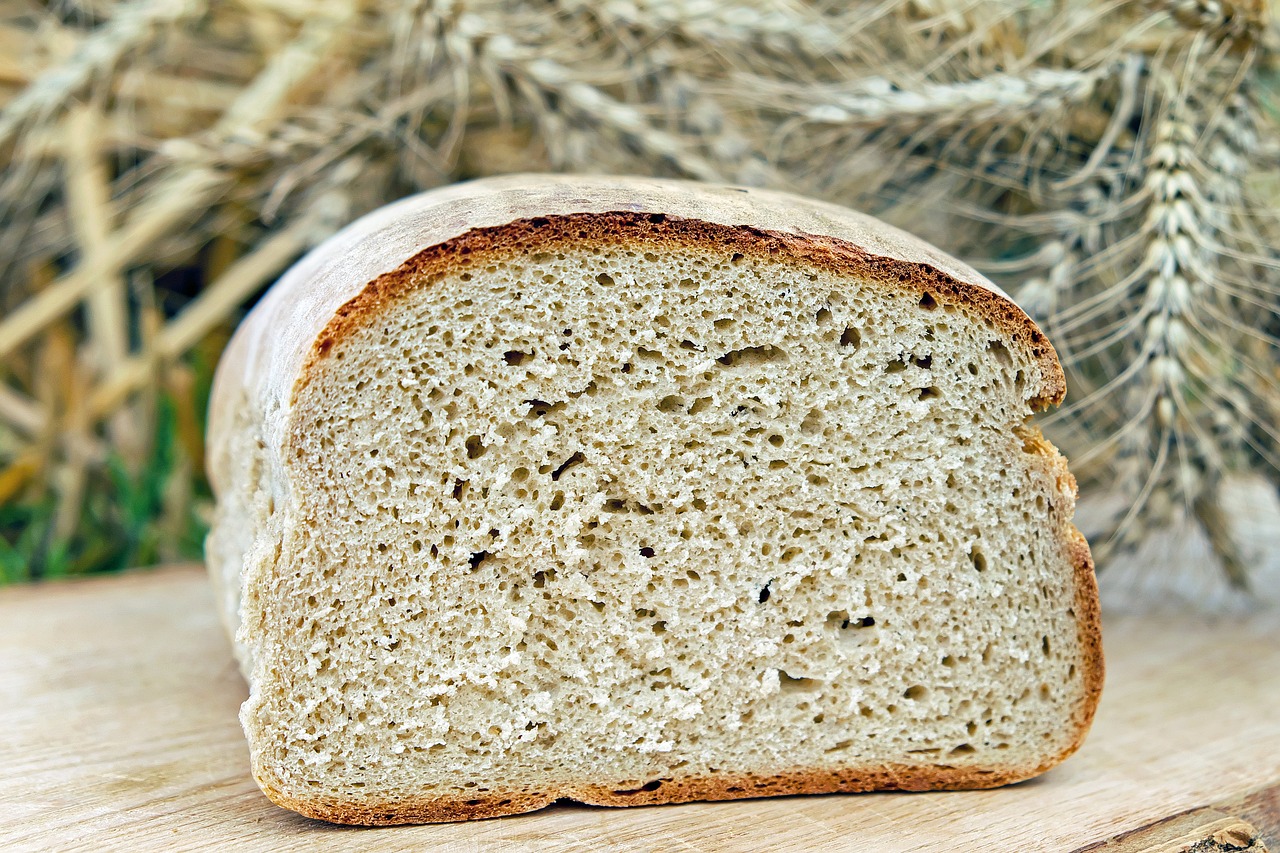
x=636 y=491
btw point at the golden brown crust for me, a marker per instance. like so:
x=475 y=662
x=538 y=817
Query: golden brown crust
x=432 y=810
x=1088 y=613
x=884 y=777
x=829 y=253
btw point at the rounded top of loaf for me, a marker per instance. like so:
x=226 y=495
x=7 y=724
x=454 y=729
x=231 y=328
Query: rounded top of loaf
x=270 y=351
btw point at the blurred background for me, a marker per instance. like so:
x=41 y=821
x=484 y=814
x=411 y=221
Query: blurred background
x=1113 y=165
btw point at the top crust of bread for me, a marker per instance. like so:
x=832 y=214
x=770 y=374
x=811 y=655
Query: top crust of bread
x=833 y=253
x=361 y=265
x=362 y=271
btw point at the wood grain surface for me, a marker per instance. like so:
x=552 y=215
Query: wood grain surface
x=118 y=731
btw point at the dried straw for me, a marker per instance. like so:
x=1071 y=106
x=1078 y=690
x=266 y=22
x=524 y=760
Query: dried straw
x=1114 y=164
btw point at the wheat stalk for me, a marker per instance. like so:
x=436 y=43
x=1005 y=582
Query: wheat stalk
x=131 y=28
x=1113 y=164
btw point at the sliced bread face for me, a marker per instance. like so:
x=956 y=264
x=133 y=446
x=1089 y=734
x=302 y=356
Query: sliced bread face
x=629 y=507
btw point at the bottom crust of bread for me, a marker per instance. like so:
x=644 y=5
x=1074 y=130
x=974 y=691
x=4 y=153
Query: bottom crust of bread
x=657 y=792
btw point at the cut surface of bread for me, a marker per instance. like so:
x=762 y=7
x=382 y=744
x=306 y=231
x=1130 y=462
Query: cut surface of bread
x=632 y=491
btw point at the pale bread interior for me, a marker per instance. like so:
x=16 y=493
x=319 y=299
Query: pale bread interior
x=615 y=514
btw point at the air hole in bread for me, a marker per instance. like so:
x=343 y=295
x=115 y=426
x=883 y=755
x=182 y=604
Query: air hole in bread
x=576 y=459
x=1000 y=353
x=749 y=357
x=788 y=683
x=671 y=403
x=516 y=357
x=648 y=786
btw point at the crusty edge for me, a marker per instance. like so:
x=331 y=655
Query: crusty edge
x=635 y=228
x=881 y=777
x=1088 y=611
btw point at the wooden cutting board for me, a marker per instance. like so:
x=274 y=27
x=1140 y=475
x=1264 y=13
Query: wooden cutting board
x=118 y=731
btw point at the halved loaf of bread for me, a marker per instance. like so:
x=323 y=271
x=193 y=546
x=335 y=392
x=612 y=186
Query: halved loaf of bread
x=636 y=491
